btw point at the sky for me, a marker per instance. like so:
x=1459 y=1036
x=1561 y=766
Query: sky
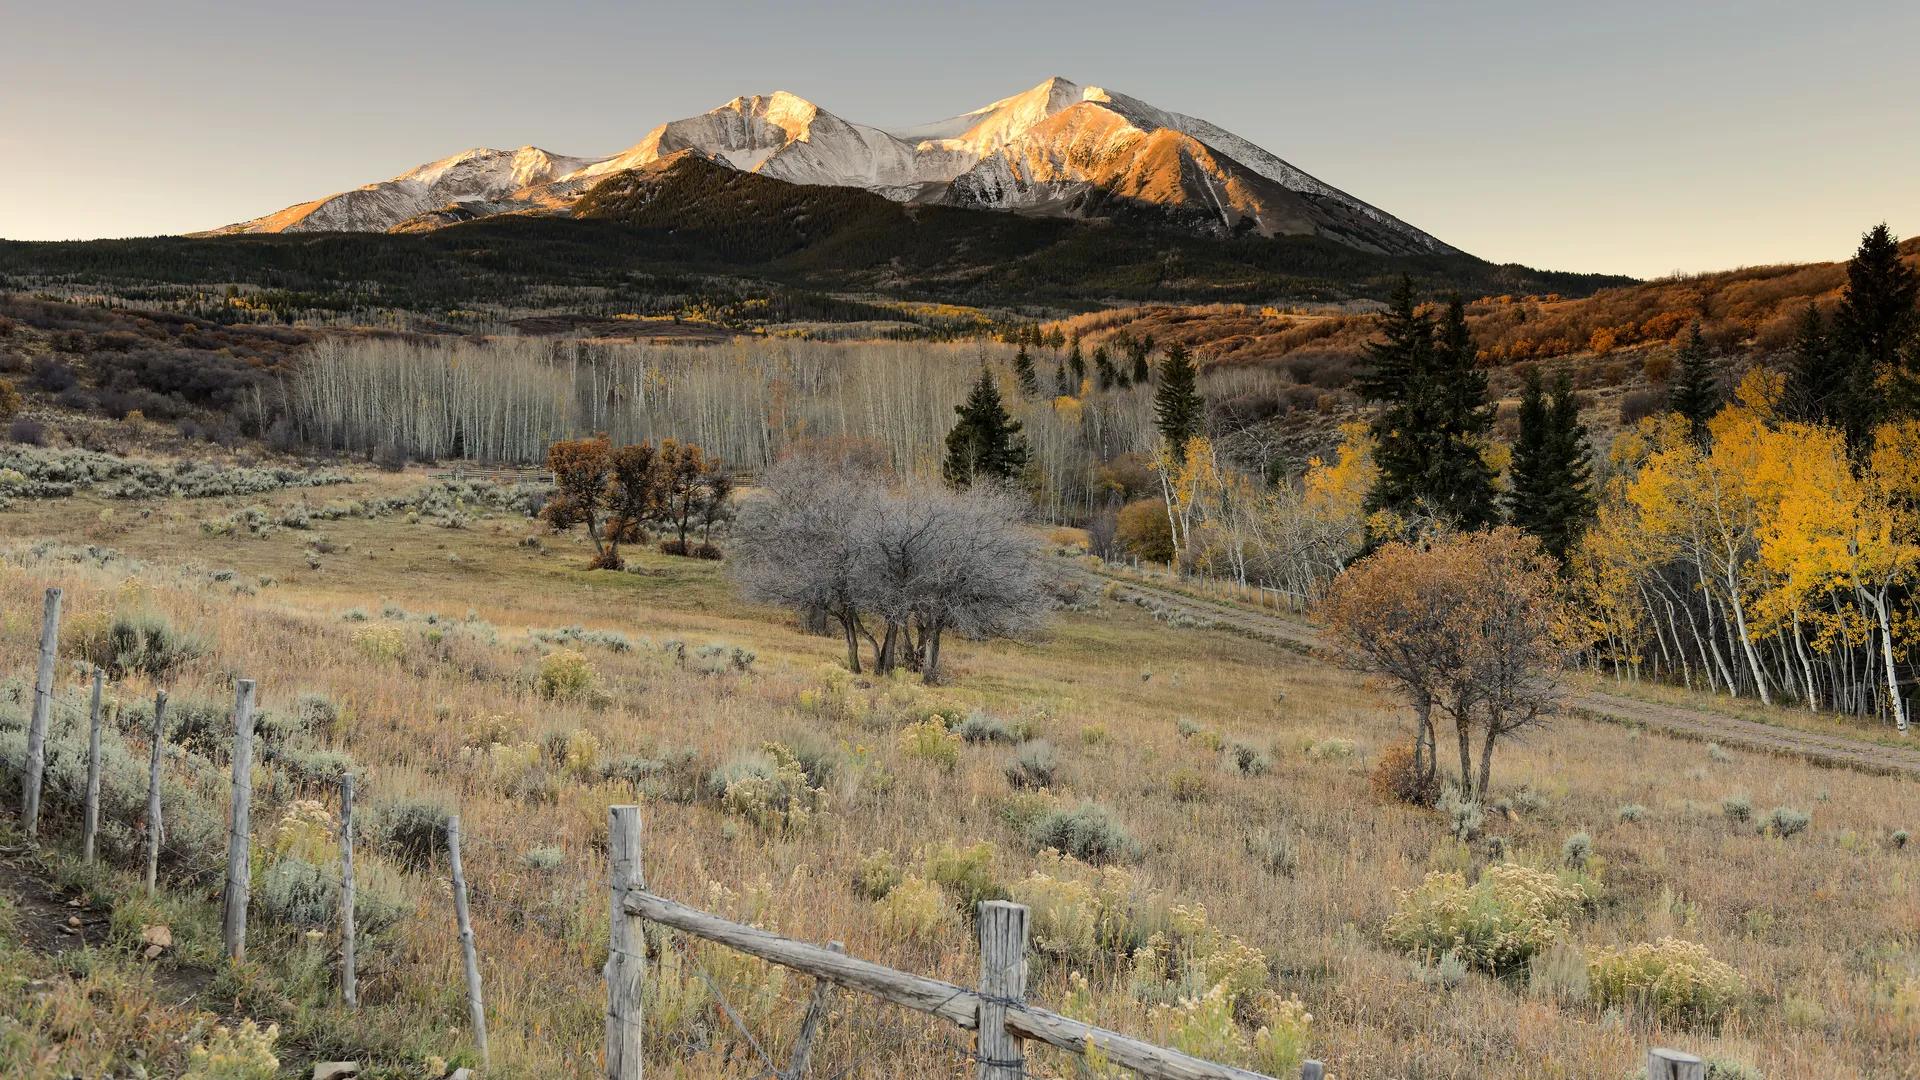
x=1628 y=137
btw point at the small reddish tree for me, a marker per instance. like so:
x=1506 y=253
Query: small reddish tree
x=1391 y=610
x=581 y=470
x=633 y=493
x=617 y=492
x=1467 y=625
x=683 y=487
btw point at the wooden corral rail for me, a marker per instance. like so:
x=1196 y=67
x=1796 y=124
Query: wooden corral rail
x=998 y=1001
x=996 y=1011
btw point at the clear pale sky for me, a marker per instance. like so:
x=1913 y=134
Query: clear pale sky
x=1628 y=136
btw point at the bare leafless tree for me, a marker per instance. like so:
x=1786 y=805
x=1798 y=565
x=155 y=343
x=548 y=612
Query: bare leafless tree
x=898 y=567
x=794 y=543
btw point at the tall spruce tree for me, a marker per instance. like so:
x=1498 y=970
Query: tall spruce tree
x=1076 y=365
x=1551 y=493
x=1433 y=415
x=1179 y=411
x=1024 y=372
x=1063 y=384
x=1695 y=394
x=1142 y=370
x=1462 y=482
x=1877 y=329
x=1817 y=380
x=986 y=442
x=1103 y=374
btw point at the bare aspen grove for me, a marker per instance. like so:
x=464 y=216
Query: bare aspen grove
x=507 y=400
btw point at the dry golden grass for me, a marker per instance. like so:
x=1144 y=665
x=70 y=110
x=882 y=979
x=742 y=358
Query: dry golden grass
x=1825 y=926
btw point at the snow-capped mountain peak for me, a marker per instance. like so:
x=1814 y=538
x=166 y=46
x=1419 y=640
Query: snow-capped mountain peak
x=991 y=126
x=1057 y=148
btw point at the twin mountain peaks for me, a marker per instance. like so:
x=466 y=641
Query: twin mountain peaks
x=1057 y=149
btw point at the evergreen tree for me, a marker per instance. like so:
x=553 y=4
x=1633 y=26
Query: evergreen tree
x=1877 y=330
x=1076 y=365
x=1551 y=494
x=1063 y=384
x=1104 y=375
x=1461 y=481
x=986 y=442
x=1179 y=412
x=1023 y=371
x=1124 y=344
x=1817 y=379
x=1142 y=371
x=1433 y=414
x=1695 y=394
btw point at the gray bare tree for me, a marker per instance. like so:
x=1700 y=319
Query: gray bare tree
x=899 y=567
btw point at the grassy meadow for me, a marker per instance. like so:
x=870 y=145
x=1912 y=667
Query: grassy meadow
x=1234 y=777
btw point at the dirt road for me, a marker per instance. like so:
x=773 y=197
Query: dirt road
x=1833 y=750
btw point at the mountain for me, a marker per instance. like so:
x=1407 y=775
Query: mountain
x=689 y=234
x=493 y=178
x=1060 y=146
x=1058 y=149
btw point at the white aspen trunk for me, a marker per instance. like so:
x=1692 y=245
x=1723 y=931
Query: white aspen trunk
x=1878 y=599
x=1746 y=640
x=1806 y=663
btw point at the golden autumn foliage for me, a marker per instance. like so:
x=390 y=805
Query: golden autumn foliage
x=1763 y=553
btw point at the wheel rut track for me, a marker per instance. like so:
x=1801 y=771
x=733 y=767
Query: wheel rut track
x=1836 y=751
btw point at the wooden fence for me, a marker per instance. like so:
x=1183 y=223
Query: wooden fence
x=995 y=1010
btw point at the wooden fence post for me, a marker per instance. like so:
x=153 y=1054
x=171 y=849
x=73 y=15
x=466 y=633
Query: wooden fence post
x=42 y=704
x=153 y=789
x=1664 y=1064
x=90 y=805
x=1003 y=978
x=626 y=948
x=468 y=957
x=1312 y=1070
x=810 y=1023
x=233 y=906
x=349 y=977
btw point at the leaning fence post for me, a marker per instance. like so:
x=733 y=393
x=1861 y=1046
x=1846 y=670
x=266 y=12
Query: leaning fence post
x=233 y=922
x=626 y=948
x=90 y=805
x=1003 y=981
x=349 y=978
x=42 y=704
x=153 y=789
x=465 y=923
x=1664 y=1064
x=816 y=1015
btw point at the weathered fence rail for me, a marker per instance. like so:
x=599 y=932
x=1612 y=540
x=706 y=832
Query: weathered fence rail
x=995 y=1011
